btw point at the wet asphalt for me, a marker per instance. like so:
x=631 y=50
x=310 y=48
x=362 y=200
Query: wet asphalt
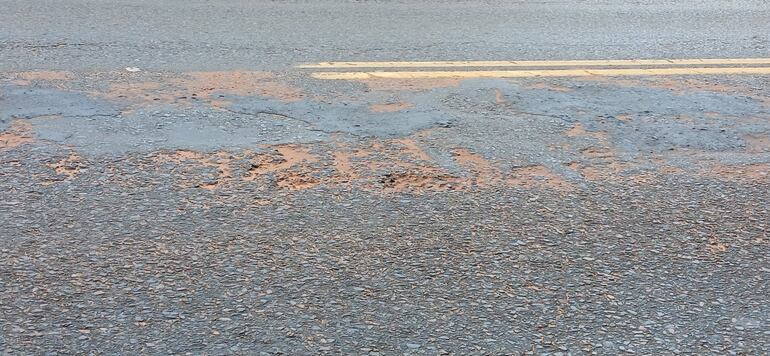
x=221 y=201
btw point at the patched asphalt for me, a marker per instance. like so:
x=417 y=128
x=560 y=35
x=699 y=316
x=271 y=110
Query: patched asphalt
x=222 y=204
x=531 y=216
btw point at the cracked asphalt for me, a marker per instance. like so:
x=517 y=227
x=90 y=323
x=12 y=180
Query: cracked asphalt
x=221 y=200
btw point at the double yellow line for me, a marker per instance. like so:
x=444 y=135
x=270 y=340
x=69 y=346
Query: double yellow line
x=525 y=69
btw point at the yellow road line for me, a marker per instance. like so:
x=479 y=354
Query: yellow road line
x=538 y=73
x=580 y=63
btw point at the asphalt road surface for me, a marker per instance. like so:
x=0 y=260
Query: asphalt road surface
x=384 y=177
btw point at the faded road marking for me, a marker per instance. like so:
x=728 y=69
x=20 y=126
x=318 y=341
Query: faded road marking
x=558 y=63
x=541 y=73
